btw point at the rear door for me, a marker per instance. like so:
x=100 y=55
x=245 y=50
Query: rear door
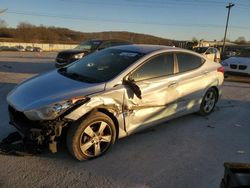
x=193 y=78
x=157 y=83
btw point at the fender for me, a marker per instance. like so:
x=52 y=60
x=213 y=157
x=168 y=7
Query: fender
x=95 y=103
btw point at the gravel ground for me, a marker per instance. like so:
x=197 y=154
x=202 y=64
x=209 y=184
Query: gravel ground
x=185 y=152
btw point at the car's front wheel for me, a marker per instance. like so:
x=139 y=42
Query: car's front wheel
x=91 y=137
x=208 y=102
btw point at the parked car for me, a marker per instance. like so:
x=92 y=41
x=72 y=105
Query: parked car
x=37 y=49
x=19 y=48
x=11 y=48
x=239 y=65
x=231 y=52
x=4 y=48
x=113 y=93
x=29 y=49
x=209 y=52
x=68 y=56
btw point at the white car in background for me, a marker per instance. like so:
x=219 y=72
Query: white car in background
x=239 y=64
x=209 y=52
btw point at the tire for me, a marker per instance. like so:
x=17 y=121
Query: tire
x=91 y=137
x=209 y=101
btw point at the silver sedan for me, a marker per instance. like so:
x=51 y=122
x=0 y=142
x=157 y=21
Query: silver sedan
x=112 y=94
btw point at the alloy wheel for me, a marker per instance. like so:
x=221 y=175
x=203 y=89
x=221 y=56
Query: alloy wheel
x=96 y=139
x=210 y=100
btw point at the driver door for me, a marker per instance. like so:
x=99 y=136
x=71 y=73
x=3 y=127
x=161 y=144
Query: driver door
x=159 y=96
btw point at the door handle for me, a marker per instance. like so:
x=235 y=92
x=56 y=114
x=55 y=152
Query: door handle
x=172 y=84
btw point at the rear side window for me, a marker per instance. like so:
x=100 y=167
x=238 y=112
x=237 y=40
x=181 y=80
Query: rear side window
x=158 y=66
x=187 y=62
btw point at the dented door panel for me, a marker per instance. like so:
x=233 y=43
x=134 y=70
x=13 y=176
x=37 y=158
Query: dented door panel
x=158 y=101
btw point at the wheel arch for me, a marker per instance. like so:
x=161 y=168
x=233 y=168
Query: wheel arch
x=111 y=110
x=112 y=116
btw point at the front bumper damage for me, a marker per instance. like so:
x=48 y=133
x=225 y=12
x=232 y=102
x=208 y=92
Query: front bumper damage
x=40 y=133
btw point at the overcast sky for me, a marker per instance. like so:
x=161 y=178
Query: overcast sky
x=173 y=19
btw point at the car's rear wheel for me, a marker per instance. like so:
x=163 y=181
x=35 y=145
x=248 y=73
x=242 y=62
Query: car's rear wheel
x=208 y=102
x=91 y=137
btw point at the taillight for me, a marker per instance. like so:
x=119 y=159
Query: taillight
x=221 y=69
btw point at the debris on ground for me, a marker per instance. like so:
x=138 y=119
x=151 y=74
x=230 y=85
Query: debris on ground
x=16 y=144
x=241 y=152
x=238 y=125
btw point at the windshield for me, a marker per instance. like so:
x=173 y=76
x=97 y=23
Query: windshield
x=200 y=50
x=101 y=66
x=245 y=53
x=88 y=45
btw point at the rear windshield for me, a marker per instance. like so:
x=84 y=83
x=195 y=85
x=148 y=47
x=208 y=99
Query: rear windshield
x=101 y=66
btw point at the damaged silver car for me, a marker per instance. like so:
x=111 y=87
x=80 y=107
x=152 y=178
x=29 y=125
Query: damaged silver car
x=112 y=94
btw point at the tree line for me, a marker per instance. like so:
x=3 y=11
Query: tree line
x=26 y=32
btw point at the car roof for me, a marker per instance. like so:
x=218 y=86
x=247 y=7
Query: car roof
x=143 y=48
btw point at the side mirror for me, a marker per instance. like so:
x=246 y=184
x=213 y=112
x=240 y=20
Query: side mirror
x=127 y=81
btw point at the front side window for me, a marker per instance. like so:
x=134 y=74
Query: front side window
x=161 y=65
x=100 y=66
x=187 y=62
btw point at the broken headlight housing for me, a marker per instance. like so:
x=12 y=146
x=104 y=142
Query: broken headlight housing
x=54 y=110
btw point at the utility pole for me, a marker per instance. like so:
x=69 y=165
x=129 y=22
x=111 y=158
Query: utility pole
x=229 y=6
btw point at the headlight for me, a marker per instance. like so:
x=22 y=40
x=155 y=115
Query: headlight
x=78 y=56
x=52 y=111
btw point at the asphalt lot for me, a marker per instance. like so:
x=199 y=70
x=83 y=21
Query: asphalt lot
x=186 y=152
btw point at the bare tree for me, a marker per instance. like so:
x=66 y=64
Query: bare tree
x=194 y=39
x=241 y=40
x=3 y=24
x=24 y=25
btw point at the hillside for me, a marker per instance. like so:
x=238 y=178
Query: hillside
x=42 y=34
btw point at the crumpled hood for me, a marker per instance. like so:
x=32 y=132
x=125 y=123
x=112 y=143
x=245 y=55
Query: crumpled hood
x=49 y=88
